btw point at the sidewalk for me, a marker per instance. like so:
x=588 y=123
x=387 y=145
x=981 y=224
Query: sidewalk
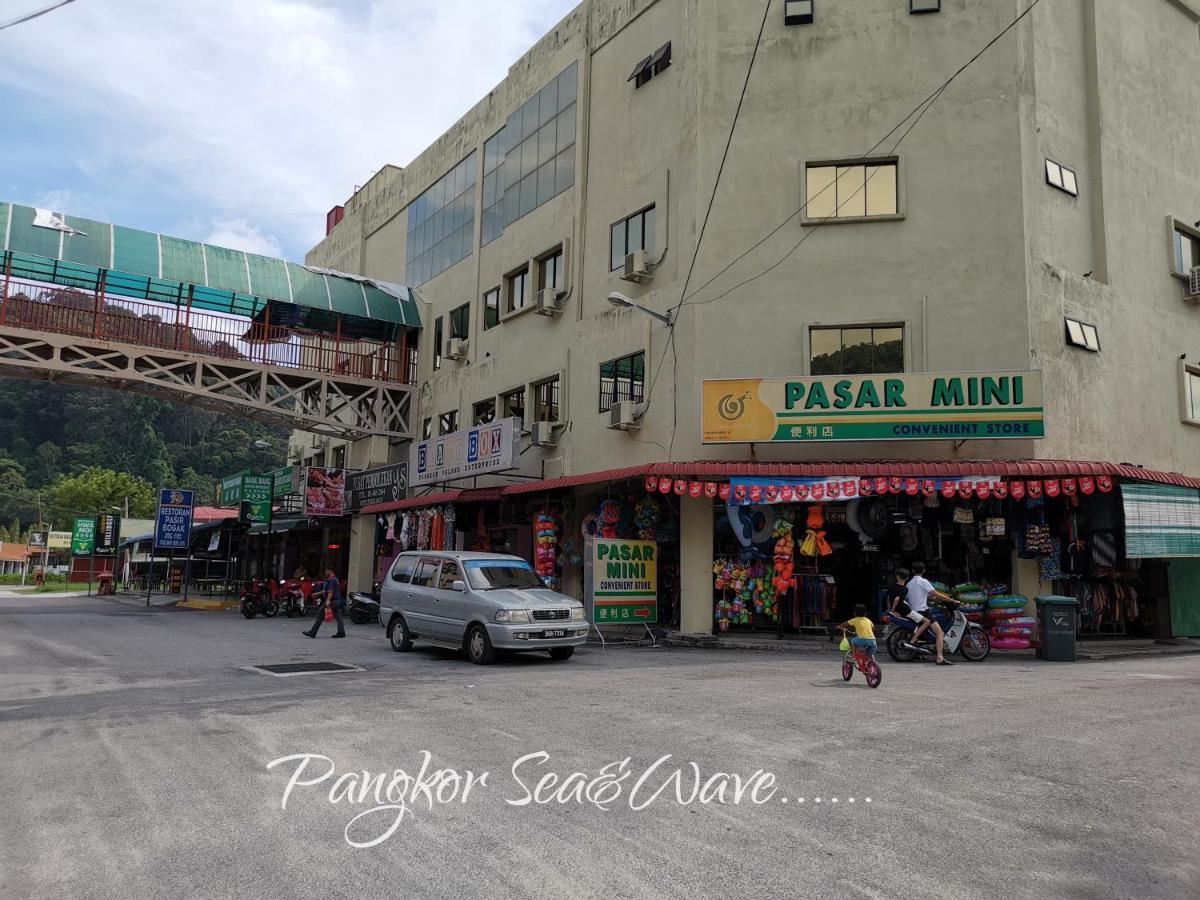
x=1088 y=650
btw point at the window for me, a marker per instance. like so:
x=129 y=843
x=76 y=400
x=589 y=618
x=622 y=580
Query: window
x=634 y=233
x=924 y=6
x=797 y=12
x=437 y=343
x=662 y=58
x=1083 y=335
x=491 y=309
x=426 y=574
x=460 y=322
x=414 y=360
x=339 y=457
x=427 y=429
x=1187 y=249
x=512 y=404
x=545 y=401
x=450 y=574
x=485 y=412
x=1061 y=177
x=550 y=272
x=1191 y=394
x=518 y=290
x=403 y=569
x=448 y=423
x=654 y=64
x=851 y=191
x=622 y=379
x=856 y=350
x=532 y=158
x=441 y=224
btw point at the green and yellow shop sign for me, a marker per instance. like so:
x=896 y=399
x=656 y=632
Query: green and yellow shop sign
x=624 y=582
x=919 y=407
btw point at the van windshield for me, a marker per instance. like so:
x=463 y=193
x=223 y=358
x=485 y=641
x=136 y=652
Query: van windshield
x=496 y=574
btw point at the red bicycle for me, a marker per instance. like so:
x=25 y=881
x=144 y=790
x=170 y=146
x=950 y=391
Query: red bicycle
x=857 y=658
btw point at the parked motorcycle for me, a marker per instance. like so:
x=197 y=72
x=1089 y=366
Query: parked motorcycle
x=291 y=598
x=363 y=608
x=257 y=601
x=961 y=636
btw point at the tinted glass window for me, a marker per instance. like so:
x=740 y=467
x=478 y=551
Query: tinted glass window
x=450 y=574
x=427 y=573
x=403 y=568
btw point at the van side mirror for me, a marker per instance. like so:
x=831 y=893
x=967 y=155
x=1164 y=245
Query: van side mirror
x=460 y=586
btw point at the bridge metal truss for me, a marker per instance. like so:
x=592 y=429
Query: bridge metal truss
x=332 y=405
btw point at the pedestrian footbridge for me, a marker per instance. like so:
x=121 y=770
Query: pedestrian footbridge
x=88 y=303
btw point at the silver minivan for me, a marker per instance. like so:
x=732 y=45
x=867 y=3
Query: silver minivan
x=477 y=602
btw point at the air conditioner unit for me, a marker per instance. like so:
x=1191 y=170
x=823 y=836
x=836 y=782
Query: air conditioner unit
x=623 y=416
x=548 y=302
x=1193 y=291
x=638 y=267
x=543 y=434
x=456 y=348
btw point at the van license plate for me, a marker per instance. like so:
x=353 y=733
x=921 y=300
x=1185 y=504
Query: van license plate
x=555 y=633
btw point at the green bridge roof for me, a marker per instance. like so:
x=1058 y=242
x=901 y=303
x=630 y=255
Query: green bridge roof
x=73 y=252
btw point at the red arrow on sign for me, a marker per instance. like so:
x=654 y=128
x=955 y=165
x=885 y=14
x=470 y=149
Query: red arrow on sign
x=641 y=613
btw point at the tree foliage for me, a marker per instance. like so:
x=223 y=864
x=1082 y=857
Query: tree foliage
x=57 y=440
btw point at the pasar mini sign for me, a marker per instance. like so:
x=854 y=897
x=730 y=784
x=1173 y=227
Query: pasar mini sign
x=900 y=407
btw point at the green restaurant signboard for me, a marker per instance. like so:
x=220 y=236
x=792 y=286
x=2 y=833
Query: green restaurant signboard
x=83 y=536
x=257 y=490
x=909 y=407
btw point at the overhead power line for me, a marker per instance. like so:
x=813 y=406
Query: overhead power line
x=27 y=17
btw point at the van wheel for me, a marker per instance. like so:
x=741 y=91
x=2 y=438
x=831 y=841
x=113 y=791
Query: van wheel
x=399 y=637
x=561 y=653
x=479 y=646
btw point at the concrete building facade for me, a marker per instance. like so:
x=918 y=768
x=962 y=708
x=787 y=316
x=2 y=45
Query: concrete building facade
x=1037 y=216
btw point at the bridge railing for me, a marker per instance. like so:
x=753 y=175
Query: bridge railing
x=40 y=307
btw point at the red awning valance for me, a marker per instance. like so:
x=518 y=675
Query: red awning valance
x=1021 y=469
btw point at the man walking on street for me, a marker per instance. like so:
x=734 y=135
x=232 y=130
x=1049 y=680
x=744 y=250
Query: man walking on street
x=331 y=590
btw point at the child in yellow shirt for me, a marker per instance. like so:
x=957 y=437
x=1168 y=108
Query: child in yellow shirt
x=864 y=630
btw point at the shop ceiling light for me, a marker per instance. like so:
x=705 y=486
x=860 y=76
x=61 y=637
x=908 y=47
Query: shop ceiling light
x=798 y=12
x=924 y=6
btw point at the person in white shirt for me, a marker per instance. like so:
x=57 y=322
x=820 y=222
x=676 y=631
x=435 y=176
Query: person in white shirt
x=917 y=603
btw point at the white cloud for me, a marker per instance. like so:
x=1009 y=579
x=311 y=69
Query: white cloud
x=265 y=114
x=238 y=234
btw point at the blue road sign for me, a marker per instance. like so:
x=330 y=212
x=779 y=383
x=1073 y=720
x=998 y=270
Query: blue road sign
x=173 y=530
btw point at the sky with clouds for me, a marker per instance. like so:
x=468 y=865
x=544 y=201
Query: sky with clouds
x=239 y=122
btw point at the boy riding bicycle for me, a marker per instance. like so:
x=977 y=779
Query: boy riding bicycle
x=864 y=630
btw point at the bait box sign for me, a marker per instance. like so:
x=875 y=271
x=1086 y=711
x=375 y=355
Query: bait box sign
x=903 y=407
x=624 y=582
x=462 y=454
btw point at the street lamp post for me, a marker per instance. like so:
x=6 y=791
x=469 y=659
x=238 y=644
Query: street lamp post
x=616 y=298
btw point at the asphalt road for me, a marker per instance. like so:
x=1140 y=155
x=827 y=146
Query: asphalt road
x=135 y=750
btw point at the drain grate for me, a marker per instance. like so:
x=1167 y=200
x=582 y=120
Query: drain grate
x=304 y=668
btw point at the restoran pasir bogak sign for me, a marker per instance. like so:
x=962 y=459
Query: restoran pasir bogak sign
x=916 y=407
x=461 y=454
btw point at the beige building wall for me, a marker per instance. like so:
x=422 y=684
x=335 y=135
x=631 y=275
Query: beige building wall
x=980 y=266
